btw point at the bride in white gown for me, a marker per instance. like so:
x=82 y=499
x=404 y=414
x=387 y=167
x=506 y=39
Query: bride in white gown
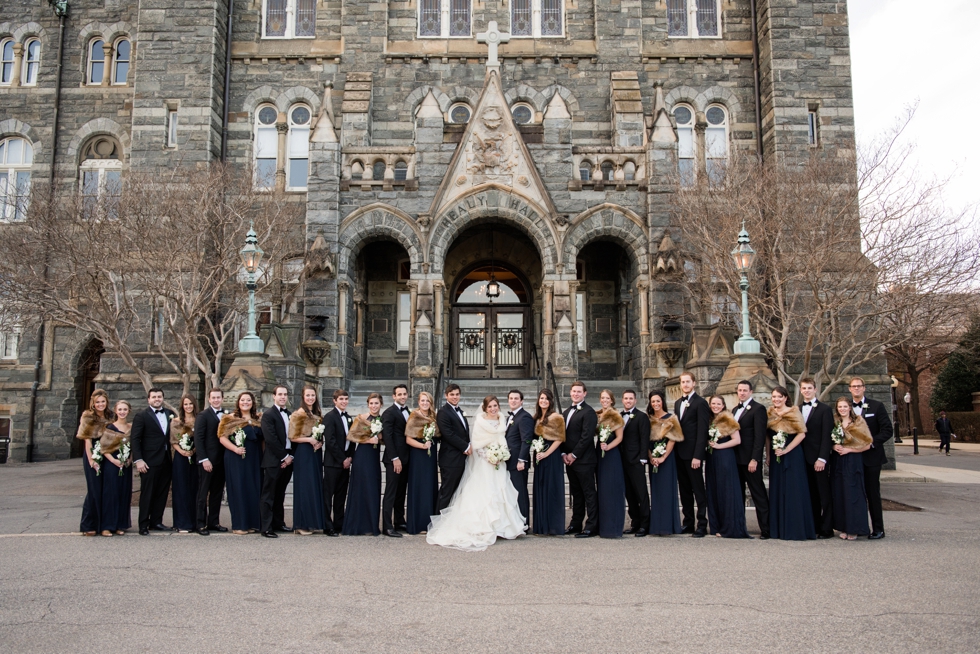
x=485 y=504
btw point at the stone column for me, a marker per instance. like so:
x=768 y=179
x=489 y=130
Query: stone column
x=437 y=306
x=642 y=289
x=343 y=288
x=110 y=52
x=282 y=129
x=18 y=63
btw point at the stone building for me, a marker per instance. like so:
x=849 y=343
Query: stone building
x=441 y=147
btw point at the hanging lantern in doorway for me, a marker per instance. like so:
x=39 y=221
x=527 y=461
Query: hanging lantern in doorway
x=493 y=287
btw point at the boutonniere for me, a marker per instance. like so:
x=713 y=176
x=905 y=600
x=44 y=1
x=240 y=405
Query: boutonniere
x=864 y=406
x=510 y=420
x=685 y=404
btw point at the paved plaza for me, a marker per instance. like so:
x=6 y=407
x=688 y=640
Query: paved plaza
x=918 y=590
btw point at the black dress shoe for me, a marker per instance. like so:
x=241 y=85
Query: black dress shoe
x=401 y=527
x=878 y=535
x=331 y=532
x=204 y=532
x=585 y=534
x=270 y=534
x=687 y=530
x=699 y=533
x=392 y=533
x=144 y=531
x=219 y=529
x=640 y=533
x=572 y=530
x=284 y=529
x=631 y=530
x=824 y=536
x=764 y=535
x=160 y=527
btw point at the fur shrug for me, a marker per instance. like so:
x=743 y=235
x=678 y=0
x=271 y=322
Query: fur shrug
x=790 y=422
x=230 y=424
x=857 y=434
x=177 y=430
x=669 y=428
x=609 y=418
x=91 y=426
x=725 y=423
x=360 y=429
x=111 y=440
x=301 y=424
x=417 y=422
x=553 y=429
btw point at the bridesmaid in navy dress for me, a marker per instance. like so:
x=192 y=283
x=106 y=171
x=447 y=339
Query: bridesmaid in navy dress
x=609 y=472
x=243 y=476
x=665 y=430
x=790 y=513
x=847 y=477
x=726 y=504
x=364 y=498
x=94 y=421
x=184 y=485
x=117 y=474
x=308 y=510
x=423 y=472
x=549 y=470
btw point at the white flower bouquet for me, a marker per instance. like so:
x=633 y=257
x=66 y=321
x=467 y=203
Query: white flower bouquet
x=658 y=451
x=124 y=452
x=238 y=438
x=713 y=436
x=538 y=445
x=428 y=434
x=186 y=443
x=97 y=457
x=604 y=434
x=837 y=435
x=778 y=443
x=376 y=429
x=318 y=432
x=495 y=454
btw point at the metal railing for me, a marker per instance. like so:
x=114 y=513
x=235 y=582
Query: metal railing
x=537 y=363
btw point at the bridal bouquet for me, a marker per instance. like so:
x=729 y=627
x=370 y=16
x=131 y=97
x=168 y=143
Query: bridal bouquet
x=97 y=457
x=317 y=432
x=837 y=435
x=496 y=454
x=604 y=434
x=658 y=451
x=124 y=451
x=428 y=433
x=713 y=436
x=376 y=429
x=186 y=442
x=778 y=443
x=238 y=438
x=538 y=445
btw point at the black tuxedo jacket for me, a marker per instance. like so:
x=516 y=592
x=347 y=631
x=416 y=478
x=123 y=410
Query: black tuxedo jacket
x=274 y=435
x=150 y=444
x=519 y=436
x=636 y=437
x=580 y=435
x=944 y=426
x=694 y=424
x=206 y=437
x=817 y=444
x=393 y=428
x=752 y=430
x=881 y=430
x=335 y=440
x=455 y=438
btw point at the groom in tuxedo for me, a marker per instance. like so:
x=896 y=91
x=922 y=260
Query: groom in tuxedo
x=817 y=445
x=395 y=458
x=338 y=452
x=634 y=448
x=277 y=464
x=455 y=445
x=752 y=424
x=578 y=453
x=876 y=416
x=520 y=433
x=150 y=439
x=695 y=416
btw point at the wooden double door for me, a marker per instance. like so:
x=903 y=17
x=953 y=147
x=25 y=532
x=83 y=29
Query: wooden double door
x=491 y=342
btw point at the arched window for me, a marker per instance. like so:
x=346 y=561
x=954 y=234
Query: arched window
x=289 y=19
x=101 y=176
x=266 y=147
x=6 y=61
x=585 y=170
x=298 y=148
x=607 y=171
x=357 y=171
x=401 y=171
x=32 y=62
x=684 y=117
x=629 y=171
x=523 y=113
x=120 y=61
x=96 y=62
x=716 y=143
x=693 y=18
x=445 y=18
x=378 y=169
x=16 y=157
x=536 y=18
x=459 y=113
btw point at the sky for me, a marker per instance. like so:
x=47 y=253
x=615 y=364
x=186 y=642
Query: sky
x=908 y=51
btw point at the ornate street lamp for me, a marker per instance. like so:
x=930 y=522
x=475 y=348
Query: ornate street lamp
x=744 y=256
x=251 y=256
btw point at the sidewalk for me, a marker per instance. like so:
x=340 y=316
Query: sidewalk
x=954 y=446
x=910 y=472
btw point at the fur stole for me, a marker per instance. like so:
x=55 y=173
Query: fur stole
x=789 y=423
x=91 y=427
x=112 y=440
x=553 y=429
x=857 y=434
x=178 y=429
x=669 y=428
x=725 y=423
x=416 y=423
x=230 y=424
x=360 y=430
x=609 y=418
x=301 y=424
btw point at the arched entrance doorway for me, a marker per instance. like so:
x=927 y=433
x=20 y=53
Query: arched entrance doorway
x=491 y=322
x=89 y=365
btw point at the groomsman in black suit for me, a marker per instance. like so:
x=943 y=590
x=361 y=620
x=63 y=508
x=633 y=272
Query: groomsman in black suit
x=634 y=448
x=875 y=414
x=520 y=433
x=337 y=455
x=817 y=445
x=395 y=457
x=150 y=439
x=277 y=464
x=578 y=453
x=211 y=458
x=752 y=423
x=695 y=416
x=454 y=446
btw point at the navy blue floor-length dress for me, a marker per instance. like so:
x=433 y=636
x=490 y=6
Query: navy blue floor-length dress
x=726 y=504
x=307 y=488
x=850 y=502
x=243 y=479
x=184 y=489
x=423 y=488
x=612 y=493
x=790 y=512
x=364 y=497
x=92 y=506
x=549 y=495
x=665 y=514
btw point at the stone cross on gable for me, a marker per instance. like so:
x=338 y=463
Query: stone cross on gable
x=492 y=37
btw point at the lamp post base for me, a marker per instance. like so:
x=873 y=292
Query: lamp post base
x=251 y=345
x=747 y=346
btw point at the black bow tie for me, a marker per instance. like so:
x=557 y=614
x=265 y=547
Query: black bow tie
x=577 y=406
x=810 y=404
x=685 y=398
x=738 y=406
x=458 y=410
x=856 y=404
x=282 y=410
x=158 y=411
x=510 y=413
x=345 y=414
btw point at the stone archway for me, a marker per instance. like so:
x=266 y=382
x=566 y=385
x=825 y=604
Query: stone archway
x=608 y=222
x=377 y=222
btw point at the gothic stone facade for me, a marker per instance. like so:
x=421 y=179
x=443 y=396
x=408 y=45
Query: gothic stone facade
x=425 y=168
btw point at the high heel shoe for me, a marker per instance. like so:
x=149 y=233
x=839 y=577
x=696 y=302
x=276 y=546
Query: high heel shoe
x=106 y=533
